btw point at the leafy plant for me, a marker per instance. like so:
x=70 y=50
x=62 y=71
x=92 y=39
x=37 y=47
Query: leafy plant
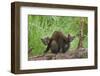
x=42 y=26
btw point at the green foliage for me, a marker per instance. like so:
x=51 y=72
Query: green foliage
x=43 y=26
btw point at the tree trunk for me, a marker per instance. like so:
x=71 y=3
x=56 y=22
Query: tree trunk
x=80 y=44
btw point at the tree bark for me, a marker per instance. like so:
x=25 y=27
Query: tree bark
x=80 y=44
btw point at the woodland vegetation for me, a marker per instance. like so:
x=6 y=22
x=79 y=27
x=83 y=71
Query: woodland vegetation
x=43 y=26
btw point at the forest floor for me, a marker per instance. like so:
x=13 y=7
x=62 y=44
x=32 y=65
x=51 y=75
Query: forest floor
x=71 y=54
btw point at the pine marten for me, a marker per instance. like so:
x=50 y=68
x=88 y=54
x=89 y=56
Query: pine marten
x=58 y=43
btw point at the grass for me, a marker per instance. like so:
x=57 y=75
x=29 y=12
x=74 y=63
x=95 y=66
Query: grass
x=42 y=26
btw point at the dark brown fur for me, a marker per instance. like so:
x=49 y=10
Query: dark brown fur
x=59 y=43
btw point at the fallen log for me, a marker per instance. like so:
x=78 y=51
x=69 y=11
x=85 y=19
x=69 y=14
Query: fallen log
x=71 y=54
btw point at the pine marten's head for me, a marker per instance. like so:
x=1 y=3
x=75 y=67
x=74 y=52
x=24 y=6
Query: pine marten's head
x=70 y=38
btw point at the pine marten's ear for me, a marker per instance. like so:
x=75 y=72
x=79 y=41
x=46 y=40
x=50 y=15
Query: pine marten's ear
x=68 y=35
x=70 y=38
x=42 y=40
x=45 y=40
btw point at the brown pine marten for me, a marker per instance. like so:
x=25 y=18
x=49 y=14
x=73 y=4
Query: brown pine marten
x=45 y=40
x=58 y=42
